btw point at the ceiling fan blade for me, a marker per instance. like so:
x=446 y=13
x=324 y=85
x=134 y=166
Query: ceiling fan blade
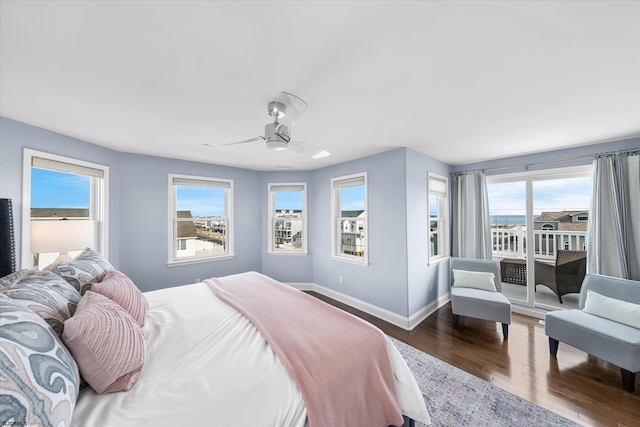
x=293 y=108
x=257 y=138
x=308 y=149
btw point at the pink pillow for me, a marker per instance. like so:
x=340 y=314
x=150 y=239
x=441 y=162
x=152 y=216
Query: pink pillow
x=119 y=288
x=106 y=342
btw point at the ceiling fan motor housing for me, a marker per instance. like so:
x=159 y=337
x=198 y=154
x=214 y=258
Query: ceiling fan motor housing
x=276 y=136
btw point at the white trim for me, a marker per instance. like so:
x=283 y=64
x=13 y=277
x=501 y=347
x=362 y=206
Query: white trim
x=406 y=323
x=543 y=174
x=527 y=311
x=98 y=209
x=352 y=259
x=294 y=253
x=446 y=231
x=199 y=260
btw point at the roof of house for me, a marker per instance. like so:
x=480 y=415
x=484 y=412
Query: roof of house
x=59 y=213
x=352 y=214
x=564 y=220
x=186 y=228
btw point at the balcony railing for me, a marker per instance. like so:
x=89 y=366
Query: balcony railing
x=511 y=242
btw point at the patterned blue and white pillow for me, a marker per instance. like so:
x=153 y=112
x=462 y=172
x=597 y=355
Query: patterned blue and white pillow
x=48 y=295
x=12 y=278
x=39 y=377
x=86 y=269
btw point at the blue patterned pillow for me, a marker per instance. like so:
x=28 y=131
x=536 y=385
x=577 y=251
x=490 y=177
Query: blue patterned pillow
x=12 y=278
x=86 y=269
x=48 y=295
x=38 y=375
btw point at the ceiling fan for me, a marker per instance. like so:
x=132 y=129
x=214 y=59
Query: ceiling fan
x=284 y=110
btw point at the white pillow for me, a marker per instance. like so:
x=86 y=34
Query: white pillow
x=474 y=279
x=617 y=310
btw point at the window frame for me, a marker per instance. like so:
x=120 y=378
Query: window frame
x=271 y=194
x=172 y=243
x=336 y=209
x=98 y=201
x=443 y=219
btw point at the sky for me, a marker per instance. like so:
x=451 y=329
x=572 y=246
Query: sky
x=548 y=195
x=51 y=189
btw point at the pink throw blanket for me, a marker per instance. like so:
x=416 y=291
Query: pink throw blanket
x=340 y=364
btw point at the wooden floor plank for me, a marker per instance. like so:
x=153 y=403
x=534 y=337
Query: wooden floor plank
x=576 y=385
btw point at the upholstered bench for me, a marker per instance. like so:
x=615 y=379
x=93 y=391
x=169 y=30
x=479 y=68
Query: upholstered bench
x=617 y=342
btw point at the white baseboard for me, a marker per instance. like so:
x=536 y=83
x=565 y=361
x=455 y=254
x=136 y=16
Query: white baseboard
x=407 y=323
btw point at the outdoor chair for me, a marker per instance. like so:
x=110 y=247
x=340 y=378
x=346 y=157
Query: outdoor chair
x=478 y=294
x=566 y=276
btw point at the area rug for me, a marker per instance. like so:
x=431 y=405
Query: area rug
x=457 y=398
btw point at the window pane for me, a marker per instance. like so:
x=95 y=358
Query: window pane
x=434 y=206
x=204 y=236
x=352 y=237
x=57 y=195
x=288 y=203
x=352 y=201
x=287 y=234
x=201 y=221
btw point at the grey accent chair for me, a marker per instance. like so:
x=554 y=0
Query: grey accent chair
x=611 y=341
x=478 y=303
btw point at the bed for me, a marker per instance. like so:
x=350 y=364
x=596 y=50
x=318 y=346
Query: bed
x=204 y=363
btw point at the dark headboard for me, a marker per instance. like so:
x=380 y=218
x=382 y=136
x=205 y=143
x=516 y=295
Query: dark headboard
x=7 y=239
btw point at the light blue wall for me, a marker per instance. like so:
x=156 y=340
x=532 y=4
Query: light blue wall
x=383 y=282
x=287 y=268
x=144 y=237
x=15 y=136
x=420 y=274
x=517 y=163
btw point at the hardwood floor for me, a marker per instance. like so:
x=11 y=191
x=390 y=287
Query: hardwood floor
x=576 y=385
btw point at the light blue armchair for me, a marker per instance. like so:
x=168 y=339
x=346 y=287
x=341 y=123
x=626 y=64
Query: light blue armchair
x=615 y=342
x=480 y=303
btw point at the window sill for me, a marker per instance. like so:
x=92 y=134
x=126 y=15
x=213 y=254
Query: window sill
x=294 y=253
x=199 y=260
x=351 y=260
x=439 y=260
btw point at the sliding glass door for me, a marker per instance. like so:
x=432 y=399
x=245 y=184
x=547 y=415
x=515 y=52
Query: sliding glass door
x=539 y=228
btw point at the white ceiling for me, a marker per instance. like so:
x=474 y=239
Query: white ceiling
x=459 y=81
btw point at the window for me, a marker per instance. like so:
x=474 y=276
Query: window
x=57 y=188
x=349 y=225
x=287 y=218
x=438 y=217
x=200 y=209
x=547 y=227
x=542 y=206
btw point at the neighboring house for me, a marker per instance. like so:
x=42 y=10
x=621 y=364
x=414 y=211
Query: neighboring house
x=187 y=235
x=352 y=232
x=566 y=230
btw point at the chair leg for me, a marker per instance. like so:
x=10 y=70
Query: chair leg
x=553 y=346
x=505 y=331
x=628 y=380
x=457 y=322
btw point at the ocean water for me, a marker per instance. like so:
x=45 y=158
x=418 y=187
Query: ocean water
x=508 y=219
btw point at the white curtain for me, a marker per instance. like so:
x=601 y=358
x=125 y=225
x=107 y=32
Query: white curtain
x=614 y=222
x=471 y=222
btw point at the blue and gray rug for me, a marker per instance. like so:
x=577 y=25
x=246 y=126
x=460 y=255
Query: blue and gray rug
x=457 y=398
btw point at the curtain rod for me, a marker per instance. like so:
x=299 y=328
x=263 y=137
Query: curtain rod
x=565 y=159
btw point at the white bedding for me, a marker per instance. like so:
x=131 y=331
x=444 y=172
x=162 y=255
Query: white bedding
x=207 y=365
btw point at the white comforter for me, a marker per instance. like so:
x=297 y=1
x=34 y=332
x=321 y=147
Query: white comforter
x=207 y=365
